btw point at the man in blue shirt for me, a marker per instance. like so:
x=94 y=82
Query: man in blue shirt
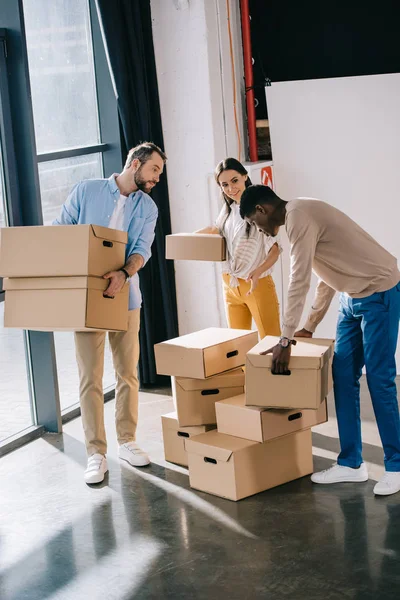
x=120 y=202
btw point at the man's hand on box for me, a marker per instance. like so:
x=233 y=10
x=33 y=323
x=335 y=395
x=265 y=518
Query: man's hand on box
x=280 y=359
x=117 y=281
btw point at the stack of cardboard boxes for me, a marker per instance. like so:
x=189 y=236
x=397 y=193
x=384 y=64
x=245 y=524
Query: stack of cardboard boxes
x=54 y=278
x=241 y=443
x=205 y=367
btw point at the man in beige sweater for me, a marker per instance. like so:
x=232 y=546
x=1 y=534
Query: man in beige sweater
x=348 y=260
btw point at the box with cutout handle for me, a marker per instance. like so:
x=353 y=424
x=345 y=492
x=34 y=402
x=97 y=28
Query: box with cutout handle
x=308 y=384
x=235 y=468
x=61 y=251
x=260 y=424
x=175 y=436
x=64 y=304
x=205 y=353
x=195 y=399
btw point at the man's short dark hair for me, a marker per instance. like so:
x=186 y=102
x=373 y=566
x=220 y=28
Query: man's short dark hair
x=254 y=195
x=143 y=152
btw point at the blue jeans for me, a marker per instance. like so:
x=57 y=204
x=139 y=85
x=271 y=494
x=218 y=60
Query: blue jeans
x=367 y=333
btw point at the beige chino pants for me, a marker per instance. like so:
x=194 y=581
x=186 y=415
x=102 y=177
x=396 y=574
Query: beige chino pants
x=90 y=357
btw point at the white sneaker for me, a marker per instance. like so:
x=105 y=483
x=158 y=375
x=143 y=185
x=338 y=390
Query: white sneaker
x=96 y=468
x=389 y=484
x=339 y=474
x=133 y=454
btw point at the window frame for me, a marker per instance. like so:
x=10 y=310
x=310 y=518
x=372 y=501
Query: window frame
x=8 y=175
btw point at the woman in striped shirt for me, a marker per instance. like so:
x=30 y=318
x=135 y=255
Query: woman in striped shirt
x=249 y=290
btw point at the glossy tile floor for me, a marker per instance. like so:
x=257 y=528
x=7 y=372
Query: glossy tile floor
x=144 y=534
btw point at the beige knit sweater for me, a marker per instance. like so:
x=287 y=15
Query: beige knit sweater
x=344 y=257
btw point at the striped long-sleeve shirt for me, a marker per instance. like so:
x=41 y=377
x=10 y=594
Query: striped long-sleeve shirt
x=246 y=252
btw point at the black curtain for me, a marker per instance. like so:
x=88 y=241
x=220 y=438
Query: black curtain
x=128 y=36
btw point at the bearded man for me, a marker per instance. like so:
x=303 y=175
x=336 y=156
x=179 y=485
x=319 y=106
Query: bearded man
x=120 y=202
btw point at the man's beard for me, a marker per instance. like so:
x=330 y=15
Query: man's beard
x=141 y=183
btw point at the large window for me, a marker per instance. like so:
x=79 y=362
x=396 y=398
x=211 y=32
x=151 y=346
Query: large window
x=61 y=70
x=57 y=177
x=15 y=406
x=67 y=371
x=66 y=117
x=63 y=84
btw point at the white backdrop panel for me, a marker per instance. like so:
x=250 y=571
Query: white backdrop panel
x=338 y=140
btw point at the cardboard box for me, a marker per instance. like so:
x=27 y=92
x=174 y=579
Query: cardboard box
x=235 y=468
x=195 y=246
x=307 y=385
x=324 y=342
x=204 y=353
x=263 y=424
x=195 y=399
x=174 y=438
x=61 y=251
x=64 y=304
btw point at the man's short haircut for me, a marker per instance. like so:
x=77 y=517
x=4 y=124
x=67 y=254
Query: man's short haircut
x=143 y=152
x=254 y=195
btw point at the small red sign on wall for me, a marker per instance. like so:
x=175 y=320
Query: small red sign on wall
x=266 y=177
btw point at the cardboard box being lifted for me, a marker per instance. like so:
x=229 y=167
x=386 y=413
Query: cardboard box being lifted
x=263 y=424
x=64 y=304
x=235 y=468
x=204 y=353
x=174 y=438
x=195 y=246
x=61 y=251
x=195 y=399
x=307 y=385
x=324 y=342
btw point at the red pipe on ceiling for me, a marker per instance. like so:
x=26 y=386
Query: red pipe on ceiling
x=249 y=80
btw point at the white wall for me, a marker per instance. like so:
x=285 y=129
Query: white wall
x=196 y=96
x=338 y=140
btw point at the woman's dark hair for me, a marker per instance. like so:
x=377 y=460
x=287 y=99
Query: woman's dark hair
x=231 y=164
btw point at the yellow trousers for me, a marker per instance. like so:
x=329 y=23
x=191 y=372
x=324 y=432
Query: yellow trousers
x=261 y=305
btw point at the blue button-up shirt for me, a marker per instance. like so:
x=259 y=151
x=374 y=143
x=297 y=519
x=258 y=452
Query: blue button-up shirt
x=92 y=202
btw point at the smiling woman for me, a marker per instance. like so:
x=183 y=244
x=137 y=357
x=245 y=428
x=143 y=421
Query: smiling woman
x=249 y=290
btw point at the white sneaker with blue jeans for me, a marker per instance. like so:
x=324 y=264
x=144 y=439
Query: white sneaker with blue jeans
x=339 y=474
x=389 y=484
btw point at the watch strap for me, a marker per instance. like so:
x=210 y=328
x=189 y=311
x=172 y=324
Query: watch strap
x=289 y=342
